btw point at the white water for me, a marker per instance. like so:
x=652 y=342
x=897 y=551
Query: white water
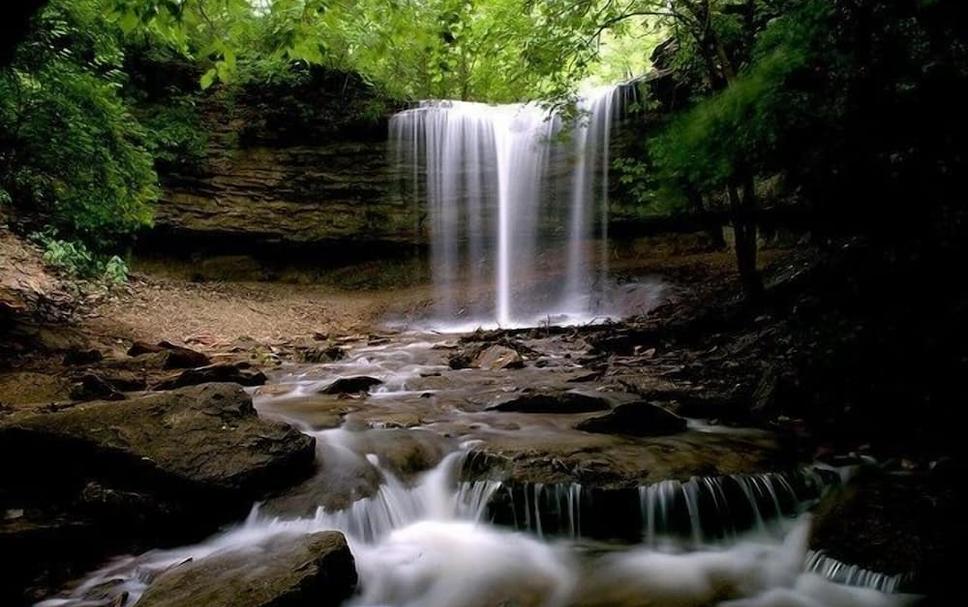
x=499 y=184
x=428 y=545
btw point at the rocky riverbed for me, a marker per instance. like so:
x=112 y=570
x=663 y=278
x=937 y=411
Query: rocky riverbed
x=676 y=435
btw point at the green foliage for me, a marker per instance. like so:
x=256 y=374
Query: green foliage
x=69 y=147
x=496 y=51
x=78 y=261
x=174 y=133
x=746 y=125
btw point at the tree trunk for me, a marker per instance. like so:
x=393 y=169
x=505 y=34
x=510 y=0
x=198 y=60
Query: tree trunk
x=742 y=197
x=742 y=205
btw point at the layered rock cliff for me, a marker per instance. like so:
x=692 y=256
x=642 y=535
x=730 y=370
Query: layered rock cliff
x=302 y=162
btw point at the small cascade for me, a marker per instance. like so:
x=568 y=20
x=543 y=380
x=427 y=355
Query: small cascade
x=694 y=512
x=396 y=505
x=498 y=183
x=427 y=545
x=853 y=575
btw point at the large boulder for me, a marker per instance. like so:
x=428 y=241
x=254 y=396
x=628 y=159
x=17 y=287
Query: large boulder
x=206 y=438
x=105 y=477
x=635 y=419
x=306 y=571
x=570 y=401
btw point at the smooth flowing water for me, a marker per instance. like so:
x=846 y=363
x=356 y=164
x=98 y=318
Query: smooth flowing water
x=435 y=540
x=429 y=544
x=515 y=205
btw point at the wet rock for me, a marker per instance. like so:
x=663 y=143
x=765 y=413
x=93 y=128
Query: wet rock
x=81 y=356
x=571 y=401
x=192 y=442
x=635 y=419
x=315 y=570
x=173 y=356
x=462 y=359
x=241 y=373
x=323 y=354
x=117 y=476
x=351 y=385
x=92 y=387
x=498 y=357
x=405 y=452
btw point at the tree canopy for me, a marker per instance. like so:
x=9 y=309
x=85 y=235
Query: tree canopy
x=854 y=105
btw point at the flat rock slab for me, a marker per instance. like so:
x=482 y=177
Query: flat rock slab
x=203 y=438
x=571 y=401
x=291 y=571
x=635 y=419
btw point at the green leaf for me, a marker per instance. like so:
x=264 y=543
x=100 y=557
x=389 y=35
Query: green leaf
x=208 y=78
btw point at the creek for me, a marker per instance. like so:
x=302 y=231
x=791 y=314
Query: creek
x=405 y=477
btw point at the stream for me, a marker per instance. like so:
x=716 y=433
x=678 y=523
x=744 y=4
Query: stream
x=405 y=472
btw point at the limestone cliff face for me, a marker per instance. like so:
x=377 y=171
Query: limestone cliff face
x=299 y=162
x=334 y=190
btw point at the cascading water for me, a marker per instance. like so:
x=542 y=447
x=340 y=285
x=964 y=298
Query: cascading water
x=496 y=196
x=433 y=541
x=427 y=545
x=667 y=513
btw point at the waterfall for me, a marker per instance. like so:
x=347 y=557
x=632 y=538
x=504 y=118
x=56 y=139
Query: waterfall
x=496 y=198
x=592 y=142
x=693 y=512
